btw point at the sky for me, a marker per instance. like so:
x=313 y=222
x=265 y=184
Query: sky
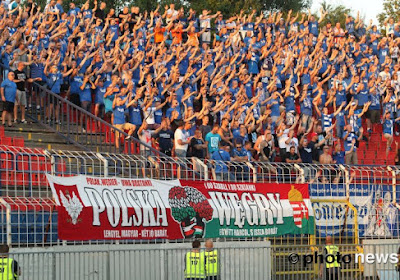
x=369 y=9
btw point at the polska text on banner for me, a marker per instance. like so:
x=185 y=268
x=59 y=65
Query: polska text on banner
x=109 y=208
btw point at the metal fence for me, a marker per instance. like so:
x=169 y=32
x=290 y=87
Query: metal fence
x=241 y=261
x=77 y=125
x=336 y=191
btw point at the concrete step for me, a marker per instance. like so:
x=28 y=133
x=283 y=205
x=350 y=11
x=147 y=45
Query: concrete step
x=37 y=136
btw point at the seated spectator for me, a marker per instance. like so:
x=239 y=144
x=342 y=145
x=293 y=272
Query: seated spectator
x=221 y=157
x=292 y=156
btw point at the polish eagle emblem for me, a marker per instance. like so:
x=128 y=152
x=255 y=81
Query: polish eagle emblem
x=72 y=205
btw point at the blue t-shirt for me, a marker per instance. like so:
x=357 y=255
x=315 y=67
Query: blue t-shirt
x=348 y=142
x=135 y=116
x=75 y=83
x=213 y=141
x=10 y=90
x=339 y=157
x=306 y=106
x=86 y=94
x=275 y=112
x=100 y=91
x=220 y=157
x=119 y=114
x=388 y=127
x=54 y=82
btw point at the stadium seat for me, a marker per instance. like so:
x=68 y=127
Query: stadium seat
x=7 y=141
x=18 y=142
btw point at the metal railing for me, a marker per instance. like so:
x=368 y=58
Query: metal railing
x=244 y=261
x=79 y=126
x=344 y=191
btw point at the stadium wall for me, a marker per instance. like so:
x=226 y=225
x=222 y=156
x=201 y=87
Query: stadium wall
x=239 y=260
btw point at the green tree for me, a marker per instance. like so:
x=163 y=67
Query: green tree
x=335 y=14
x=391 y=9
x=285 y=5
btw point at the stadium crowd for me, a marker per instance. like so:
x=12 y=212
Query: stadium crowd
x=248 y=87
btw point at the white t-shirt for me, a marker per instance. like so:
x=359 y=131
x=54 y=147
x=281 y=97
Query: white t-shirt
x=145 y=137
x=384 y=75
x=173 y=14
x=283 y=138
x=182 y=135
x=149 y=115
x=293 y=142
x=205 y=22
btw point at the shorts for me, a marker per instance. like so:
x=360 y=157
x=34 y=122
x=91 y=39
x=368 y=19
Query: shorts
x=75 y=99
x=374 y=115
x=53 y=100
x=86 y=105
x=8 y=106
x=42 y=92
x=124 y=126
x=21 y=98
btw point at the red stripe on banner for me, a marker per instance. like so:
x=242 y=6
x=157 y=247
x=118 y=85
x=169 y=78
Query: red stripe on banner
x=130 y=209
x=240 y=188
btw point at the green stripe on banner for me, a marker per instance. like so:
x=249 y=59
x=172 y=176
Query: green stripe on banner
x=214 y=229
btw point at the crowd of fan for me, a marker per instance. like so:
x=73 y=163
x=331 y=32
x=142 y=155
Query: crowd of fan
x=248 y=87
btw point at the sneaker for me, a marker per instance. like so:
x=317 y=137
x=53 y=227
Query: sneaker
x=128 y=137
x=83 y=130
x=30 y=105
x=48 y=121
x=369 y=131
x=15 y=121
x=24 y=121
x=397 y=133
x=58 y=122
x=37 y=107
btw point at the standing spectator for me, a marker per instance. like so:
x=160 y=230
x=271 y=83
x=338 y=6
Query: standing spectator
x=164 y=137
x=100 y=11
x=212 y=140
x=182 y=139
x=145 y=136
x=8 y=96
x=205 y=23
x=388 y=124
x=350 y=140
x=325 y=157
x=20 y=79
x=119 y=118
x=54 y=79
x=265 y=146
x=338 y=155
x=205 y=127
x=225 y=132
x=306 y=150
x=198 y=147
